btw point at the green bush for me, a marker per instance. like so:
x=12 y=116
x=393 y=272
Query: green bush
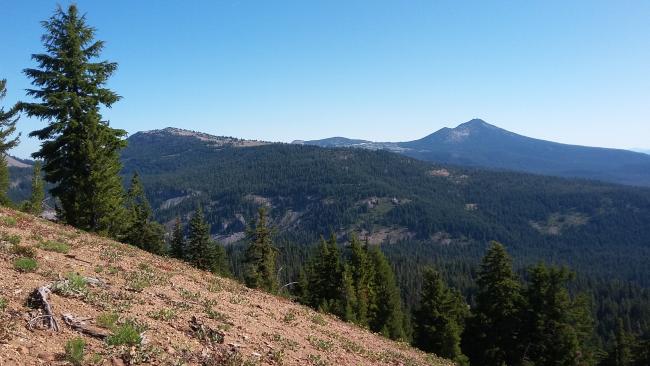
x=75 y=284
x=162 y=314
x=107 y=320
x=127 y=334
x=24 y=264
x=54 y=246
x=13 y=239
x=3 y=304
x=23 y=251
x=8 y=221
x=74 y=351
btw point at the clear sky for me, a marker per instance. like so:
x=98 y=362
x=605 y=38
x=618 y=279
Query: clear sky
x=568 y=71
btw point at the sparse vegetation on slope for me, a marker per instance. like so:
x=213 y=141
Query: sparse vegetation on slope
x=181 y=315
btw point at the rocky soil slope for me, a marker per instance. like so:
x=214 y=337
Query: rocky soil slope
x=133 y=307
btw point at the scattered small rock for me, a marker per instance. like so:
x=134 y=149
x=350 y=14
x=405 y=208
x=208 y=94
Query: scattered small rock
x=117 y=361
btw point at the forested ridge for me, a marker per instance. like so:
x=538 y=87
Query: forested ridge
x=440 y=215
x=448 y=211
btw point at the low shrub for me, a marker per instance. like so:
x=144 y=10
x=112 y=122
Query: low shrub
x=126 y=334
x=107 y=320
x=54 y=246
x=74 y=285
x=23 y=251
x=74 y=351
x=25 y=264
x=8 y=221
x=13 y=239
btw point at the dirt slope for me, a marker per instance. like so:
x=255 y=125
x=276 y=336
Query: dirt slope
x=98 y=279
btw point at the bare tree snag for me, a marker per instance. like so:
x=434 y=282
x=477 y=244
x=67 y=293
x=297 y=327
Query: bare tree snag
x=39 y=298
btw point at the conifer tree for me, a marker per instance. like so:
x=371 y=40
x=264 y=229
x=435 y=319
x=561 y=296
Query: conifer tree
x=641 y=350
x=627 y=349
x=311 y=285
x=621 y=352
x=202 y=252
x=8 y=121
x=141 y=230
x=260 y=256
x=582 y=320
x=332 y=274
x=492 y=335
x=362 y=273
x=177 y=245
x=439 y=319
x=35 y=203
x=348 y=299
x=80 y=151
x=301 y=289
x=324 y=279
x=385 y=315
x=551 y=334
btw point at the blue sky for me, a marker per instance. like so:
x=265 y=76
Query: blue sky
x=569 y=71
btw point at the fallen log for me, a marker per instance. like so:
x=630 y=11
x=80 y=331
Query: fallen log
x=80 y=326
x=72 y=256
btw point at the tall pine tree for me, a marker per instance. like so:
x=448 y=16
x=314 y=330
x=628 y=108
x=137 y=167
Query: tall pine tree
x=177 y=245
x=492 y=337
x=80 y=151
x=362 y=273
x=202 y=252
x=324 y=279
x=141 y=230
x=385 y=313
x=260 y=256
x=8 y=121
x=35 y=203
x=551 y=334
x=439 y=319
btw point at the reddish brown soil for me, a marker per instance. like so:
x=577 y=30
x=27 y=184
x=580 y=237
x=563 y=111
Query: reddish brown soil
x=164 y=294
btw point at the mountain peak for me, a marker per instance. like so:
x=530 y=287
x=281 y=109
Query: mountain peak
x=475 y=123
x=213 y=140
x=464 y=130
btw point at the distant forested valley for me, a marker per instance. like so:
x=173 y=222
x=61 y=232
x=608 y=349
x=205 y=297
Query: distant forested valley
x=419 y=213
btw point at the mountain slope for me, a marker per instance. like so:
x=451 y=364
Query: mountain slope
x=163 y=295
x=444 y=212
x=477 y=143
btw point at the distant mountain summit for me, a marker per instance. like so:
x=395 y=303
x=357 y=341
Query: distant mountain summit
x=214 y=141
x=478 y=143
x=475 y=128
